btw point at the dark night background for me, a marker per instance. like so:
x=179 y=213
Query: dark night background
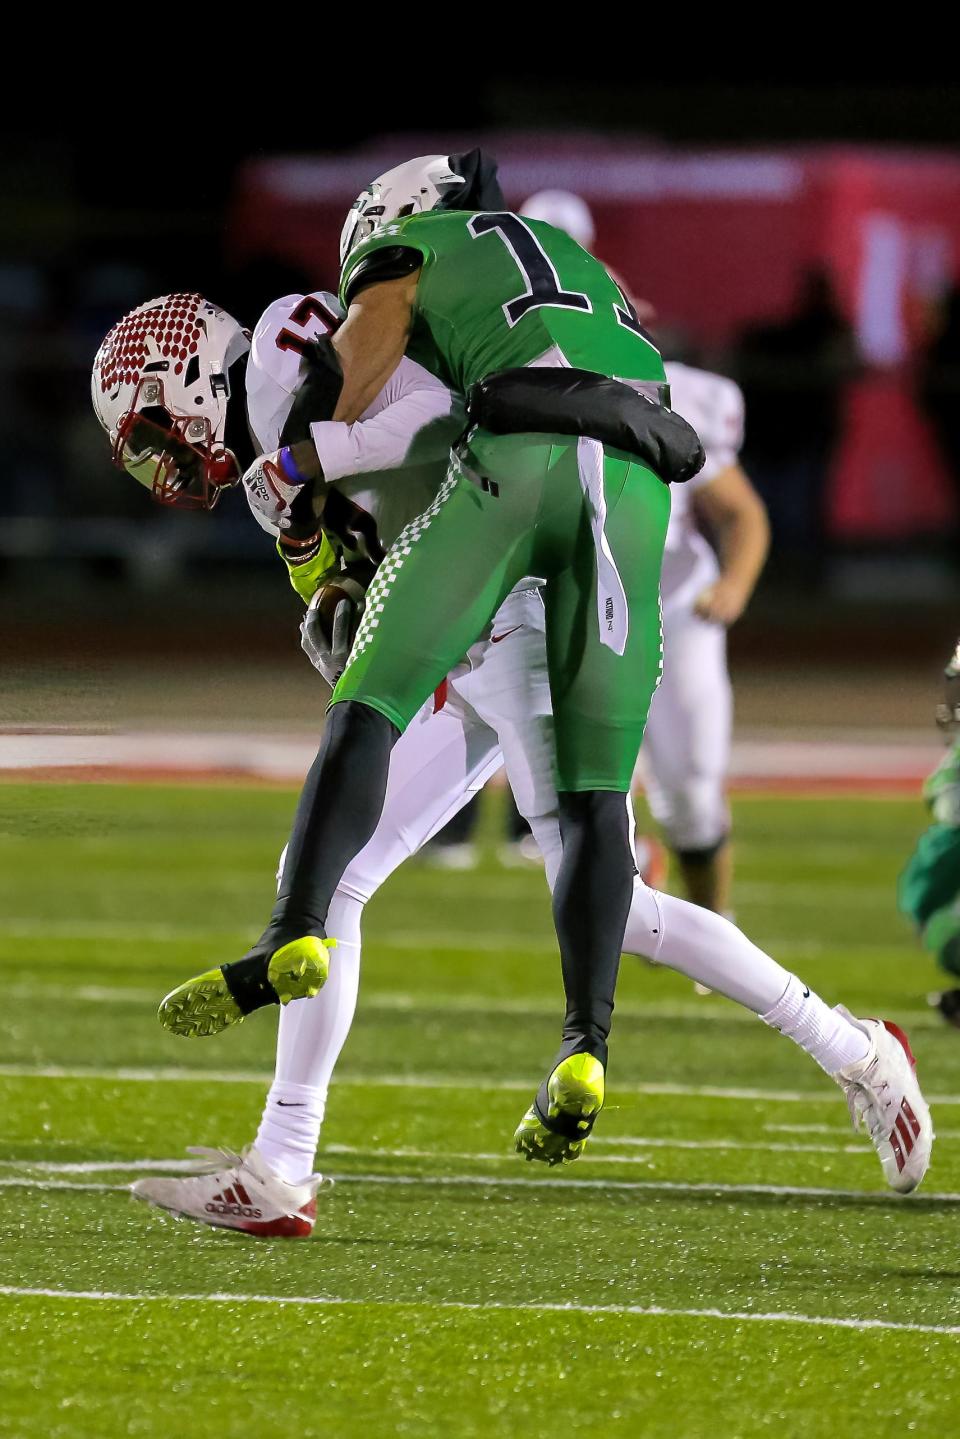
x=132 y=198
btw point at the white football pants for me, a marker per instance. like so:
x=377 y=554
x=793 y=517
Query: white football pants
x=686 y=746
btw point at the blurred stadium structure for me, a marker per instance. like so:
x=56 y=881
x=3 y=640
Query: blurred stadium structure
x=824 y=279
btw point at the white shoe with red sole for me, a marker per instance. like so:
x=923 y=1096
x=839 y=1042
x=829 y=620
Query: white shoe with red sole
x=237 y=1191
x=883 y=1096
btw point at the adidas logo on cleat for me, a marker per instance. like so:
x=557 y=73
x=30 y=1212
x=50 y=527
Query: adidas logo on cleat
x=237 y=1204
x=904 y=1134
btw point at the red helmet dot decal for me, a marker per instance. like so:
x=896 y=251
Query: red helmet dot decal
x=171 y=322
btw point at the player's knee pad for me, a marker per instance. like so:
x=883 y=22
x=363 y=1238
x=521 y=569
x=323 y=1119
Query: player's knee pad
x=693 y=815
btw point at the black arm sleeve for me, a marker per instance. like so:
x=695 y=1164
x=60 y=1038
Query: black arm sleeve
x=319 y=391
x=391 y=262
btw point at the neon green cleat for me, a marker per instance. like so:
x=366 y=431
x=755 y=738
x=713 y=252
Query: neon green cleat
x=205 y=1004
x=575 y=1091
x=299 y=970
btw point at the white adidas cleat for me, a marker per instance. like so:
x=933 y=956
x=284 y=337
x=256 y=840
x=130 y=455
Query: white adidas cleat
x=884 y=1097
x=237 y=1191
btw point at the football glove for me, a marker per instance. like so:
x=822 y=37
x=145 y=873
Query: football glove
x=330 y=625
x=281 y=497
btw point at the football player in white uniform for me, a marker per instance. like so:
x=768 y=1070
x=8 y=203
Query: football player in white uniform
x=686 y=745
x=496 y=703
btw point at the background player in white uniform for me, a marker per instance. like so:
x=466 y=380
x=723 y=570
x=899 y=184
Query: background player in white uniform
x=686 y=745
x=686 y=748
x=498 y=697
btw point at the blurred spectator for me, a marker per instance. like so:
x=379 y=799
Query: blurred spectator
x=940 y=384
x=793 y=373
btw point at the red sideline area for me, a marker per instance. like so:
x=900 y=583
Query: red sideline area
x=761 y=765
x=794 y=785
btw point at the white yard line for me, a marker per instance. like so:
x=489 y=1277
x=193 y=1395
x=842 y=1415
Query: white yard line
x=612 y=1186
x=425 y=1081
x=740 y=1146
x=647 y=1311
x=836 y=1130
x=192 y=1166
x=403 y=1001
x=8 y=1182
x=103 y=1166
x=804 y=1128
x=864 y=1150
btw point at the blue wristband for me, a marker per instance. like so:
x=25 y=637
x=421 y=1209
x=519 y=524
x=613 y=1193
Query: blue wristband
x=289 y=467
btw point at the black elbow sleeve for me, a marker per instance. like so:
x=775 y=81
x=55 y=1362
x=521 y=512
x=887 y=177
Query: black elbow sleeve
x=319 y=391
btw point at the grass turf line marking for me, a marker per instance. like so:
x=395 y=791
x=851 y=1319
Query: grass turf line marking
x=423 y=1081
x=401 y=1001
x=645 y=1311
x=613 y=1186
x=106 y=1166
x=194 y=1167
x=864 y=1148
x=740 y=1146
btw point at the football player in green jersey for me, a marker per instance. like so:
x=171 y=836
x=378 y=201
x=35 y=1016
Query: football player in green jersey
x=929 y=889
x=562 y=474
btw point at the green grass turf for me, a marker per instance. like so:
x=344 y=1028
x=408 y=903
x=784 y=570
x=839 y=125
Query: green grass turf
x=109 y=895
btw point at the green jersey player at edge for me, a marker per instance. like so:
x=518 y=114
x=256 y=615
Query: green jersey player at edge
x=560 y=475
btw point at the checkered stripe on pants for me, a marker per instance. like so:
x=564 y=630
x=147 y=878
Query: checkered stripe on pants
x=391 y=567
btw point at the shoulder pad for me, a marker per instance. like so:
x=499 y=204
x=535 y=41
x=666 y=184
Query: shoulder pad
x=712 y=403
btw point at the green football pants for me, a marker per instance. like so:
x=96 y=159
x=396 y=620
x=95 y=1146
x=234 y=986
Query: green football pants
x=592 y=523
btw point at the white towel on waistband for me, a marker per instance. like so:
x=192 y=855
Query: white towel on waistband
x=612 y=612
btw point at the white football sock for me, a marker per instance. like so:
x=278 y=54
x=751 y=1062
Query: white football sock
x=290 y=1128
x=704 y=946
x=715 y=953
x=312 y=1033
x=824 y=1033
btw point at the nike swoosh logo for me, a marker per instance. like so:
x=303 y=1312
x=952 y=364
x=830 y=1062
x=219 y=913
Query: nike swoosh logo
x=292 y=1103
x=495 y=639
x=806 y=994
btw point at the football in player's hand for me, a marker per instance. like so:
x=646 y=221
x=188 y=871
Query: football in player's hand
x=333 y=617
x=328 y=599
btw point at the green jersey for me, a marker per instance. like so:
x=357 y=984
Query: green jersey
x=497 y=291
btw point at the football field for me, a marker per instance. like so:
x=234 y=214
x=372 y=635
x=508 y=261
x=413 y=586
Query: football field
x=724 y=1261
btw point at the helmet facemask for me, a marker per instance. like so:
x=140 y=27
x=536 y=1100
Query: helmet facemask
x=161 y=388
x=176 y=457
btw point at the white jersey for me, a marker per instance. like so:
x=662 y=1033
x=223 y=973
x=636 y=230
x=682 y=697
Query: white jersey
x=387 y=466
x=713 y=405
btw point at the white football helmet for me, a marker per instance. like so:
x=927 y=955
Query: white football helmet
x=565 y=210
x=407 y=189
x=160 y=388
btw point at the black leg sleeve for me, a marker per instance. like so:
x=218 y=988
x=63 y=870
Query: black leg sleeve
x=591 y=903
x=339 y=809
